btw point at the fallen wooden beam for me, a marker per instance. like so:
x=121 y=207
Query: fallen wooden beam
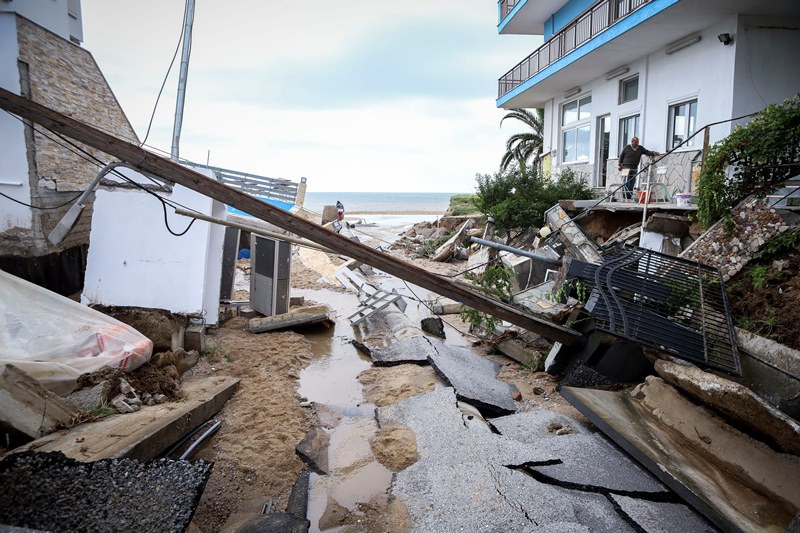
x=148 y=162
x=146 y=433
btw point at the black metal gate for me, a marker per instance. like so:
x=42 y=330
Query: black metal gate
x=661 y=301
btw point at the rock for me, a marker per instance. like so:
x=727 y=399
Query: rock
x=434 y=326
x=516 y=396
x=91 y=397
x=121 y=405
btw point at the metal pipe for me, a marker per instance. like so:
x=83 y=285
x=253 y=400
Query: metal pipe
x=184 y=74
x=253 y=229
x=213 y=429
x=492 y=244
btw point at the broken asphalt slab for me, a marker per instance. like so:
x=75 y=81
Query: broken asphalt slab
x=51 y=492
x=587 y=460
x=472 y=376
x=465 y=478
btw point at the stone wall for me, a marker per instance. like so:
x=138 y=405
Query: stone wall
x=754 y=224
x=65 y=77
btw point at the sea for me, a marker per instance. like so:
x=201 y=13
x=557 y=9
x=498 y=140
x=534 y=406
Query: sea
x=383 y=203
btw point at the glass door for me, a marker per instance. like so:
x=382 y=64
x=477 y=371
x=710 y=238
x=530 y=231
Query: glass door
x=603 y=147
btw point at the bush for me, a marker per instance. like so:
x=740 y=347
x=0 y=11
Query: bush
x=518 y=198
x=755 y=159
x=462 y=204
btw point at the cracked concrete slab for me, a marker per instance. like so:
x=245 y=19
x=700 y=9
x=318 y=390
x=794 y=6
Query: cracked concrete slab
x=460 y=481
x=661 y=517
x=586 y=459
x=410 y=350
x=474 y=378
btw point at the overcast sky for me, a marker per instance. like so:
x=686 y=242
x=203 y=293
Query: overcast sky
x=355 y=95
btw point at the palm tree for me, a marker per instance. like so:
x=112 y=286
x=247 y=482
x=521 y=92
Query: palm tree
x=520 y=147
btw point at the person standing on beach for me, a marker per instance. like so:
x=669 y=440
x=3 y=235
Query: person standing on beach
x=339 y=210
x=629 y=160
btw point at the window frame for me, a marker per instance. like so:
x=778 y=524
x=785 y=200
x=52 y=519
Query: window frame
x=624 y=139
x=622 y=84
x=689 y=128
x=576 y=126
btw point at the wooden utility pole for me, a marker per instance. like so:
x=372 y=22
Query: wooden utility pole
x=150 y=163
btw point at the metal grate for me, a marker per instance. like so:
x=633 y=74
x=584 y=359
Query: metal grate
x=661 y=301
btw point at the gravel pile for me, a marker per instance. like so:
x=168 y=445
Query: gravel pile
x=48 y=491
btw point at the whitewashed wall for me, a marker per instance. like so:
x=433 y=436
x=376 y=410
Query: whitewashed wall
x=14 y=180
x=767 y=70
x=50 y=14
x=134 y=261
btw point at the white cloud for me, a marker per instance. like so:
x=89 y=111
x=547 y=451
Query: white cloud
x=353 y=95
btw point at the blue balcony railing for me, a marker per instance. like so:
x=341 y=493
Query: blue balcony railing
x=594 y=20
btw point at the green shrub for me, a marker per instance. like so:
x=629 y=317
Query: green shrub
x=518 y=198
x=462 y=204
x=755 y=159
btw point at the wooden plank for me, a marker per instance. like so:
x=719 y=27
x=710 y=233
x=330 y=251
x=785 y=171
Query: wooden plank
x=148 y=162
x=147 y=432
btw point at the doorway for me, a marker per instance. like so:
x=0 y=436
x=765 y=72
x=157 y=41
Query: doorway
x=603 y=146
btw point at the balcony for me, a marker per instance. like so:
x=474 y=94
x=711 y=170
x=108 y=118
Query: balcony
x=590 y=23
x=506 y=6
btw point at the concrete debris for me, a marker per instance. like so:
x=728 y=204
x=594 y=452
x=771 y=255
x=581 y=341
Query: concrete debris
x=698 y=456
x=736 y=402
x=50 y=492
x=313 y=450
x=301 y=316
x=27 y=407
x=447 y=250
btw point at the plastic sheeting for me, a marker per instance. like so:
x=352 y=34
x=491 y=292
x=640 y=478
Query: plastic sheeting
x=55 y=339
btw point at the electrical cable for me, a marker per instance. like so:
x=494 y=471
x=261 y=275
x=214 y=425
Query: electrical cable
x=417 y=298
x=166 y=77
x=91 y=158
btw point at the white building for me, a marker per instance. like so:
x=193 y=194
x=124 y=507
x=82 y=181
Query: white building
x=658 y=69
x=41 y=59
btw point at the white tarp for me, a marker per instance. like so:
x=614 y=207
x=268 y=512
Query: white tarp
x=55 y=339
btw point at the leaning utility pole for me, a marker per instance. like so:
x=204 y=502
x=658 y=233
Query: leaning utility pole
x=184 y=73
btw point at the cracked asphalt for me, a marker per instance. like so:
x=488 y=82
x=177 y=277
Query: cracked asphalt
x=526 y=478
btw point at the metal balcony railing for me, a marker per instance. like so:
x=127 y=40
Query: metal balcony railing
x=506 y=6
x=594 y=20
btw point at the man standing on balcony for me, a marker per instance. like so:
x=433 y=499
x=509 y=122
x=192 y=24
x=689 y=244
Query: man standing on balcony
x=629 y=159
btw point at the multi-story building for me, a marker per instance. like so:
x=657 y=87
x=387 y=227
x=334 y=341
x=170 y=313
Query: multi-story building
x=658 y=69
x=41 y=59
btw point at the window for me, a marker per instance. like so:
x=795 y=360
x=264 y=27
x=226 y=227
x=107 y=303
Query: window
x=628 y=127
x=629 y=89
x=575 y=130
x=682 y=123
